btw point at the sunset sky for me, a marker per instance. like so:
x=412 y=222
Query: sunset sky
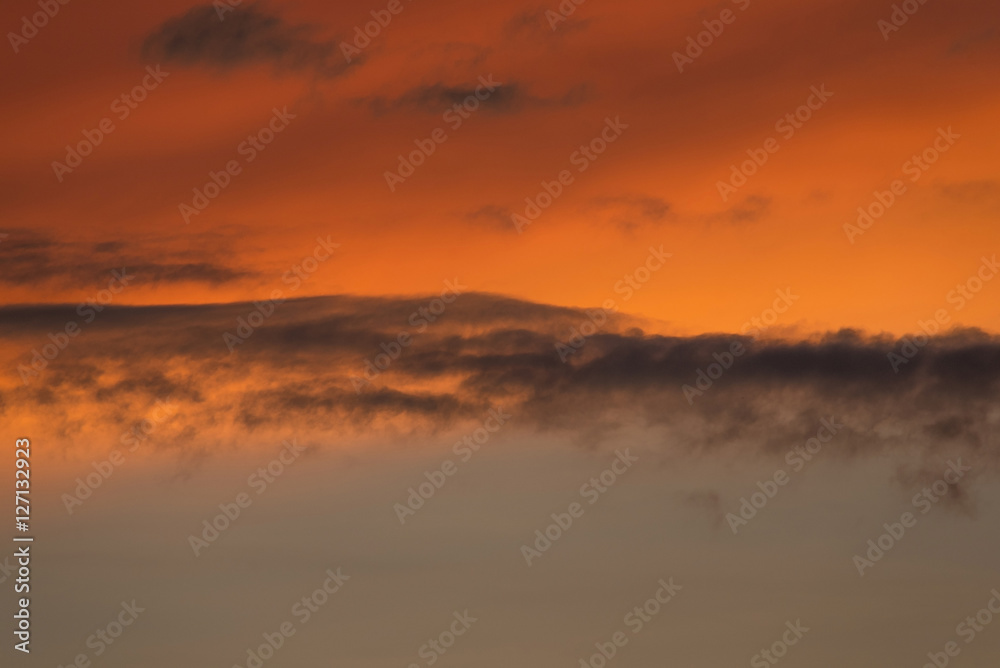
x=324 y=174
x=694 y=229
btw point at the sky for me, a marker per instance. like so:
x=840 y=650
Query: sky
x=499 y=245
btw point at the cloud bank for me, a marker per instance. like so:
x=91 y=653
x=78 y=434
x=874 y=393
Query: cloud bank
x=332 y=369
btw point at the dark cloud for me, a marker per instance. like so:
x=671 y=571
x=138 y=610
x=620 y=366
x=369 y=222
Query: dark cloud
x=985 y=193
x=506 y=98
x=495 y=216
x=246 y=35
x=627 y=212
x=29 y=257
x=750 y=209
x=108 y=247
x=194 y=272
x=630 y=212
x=303 y=363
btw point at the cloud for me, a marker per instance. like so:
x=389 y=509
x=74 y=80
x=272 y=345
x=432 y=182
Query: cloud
x=302 y=366
x=497 y=217
x=627 y=212
x=31 y=257
x=750 y=209
x=630 y=212
x=985 y=192
x=959 y=497
x=507 y=98
x=535 y=25
x=247 y=35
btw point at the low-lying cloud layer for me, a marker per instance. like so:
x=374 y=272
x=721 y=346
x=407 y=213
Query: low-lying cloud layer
x=332 y=369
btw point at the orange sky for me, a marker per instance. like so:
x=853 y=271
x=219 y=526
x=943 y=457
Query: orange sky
x=657 y=184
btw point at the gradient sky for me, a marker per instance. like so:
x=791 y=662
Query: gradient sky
x=324 y=175
x=691 y=270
